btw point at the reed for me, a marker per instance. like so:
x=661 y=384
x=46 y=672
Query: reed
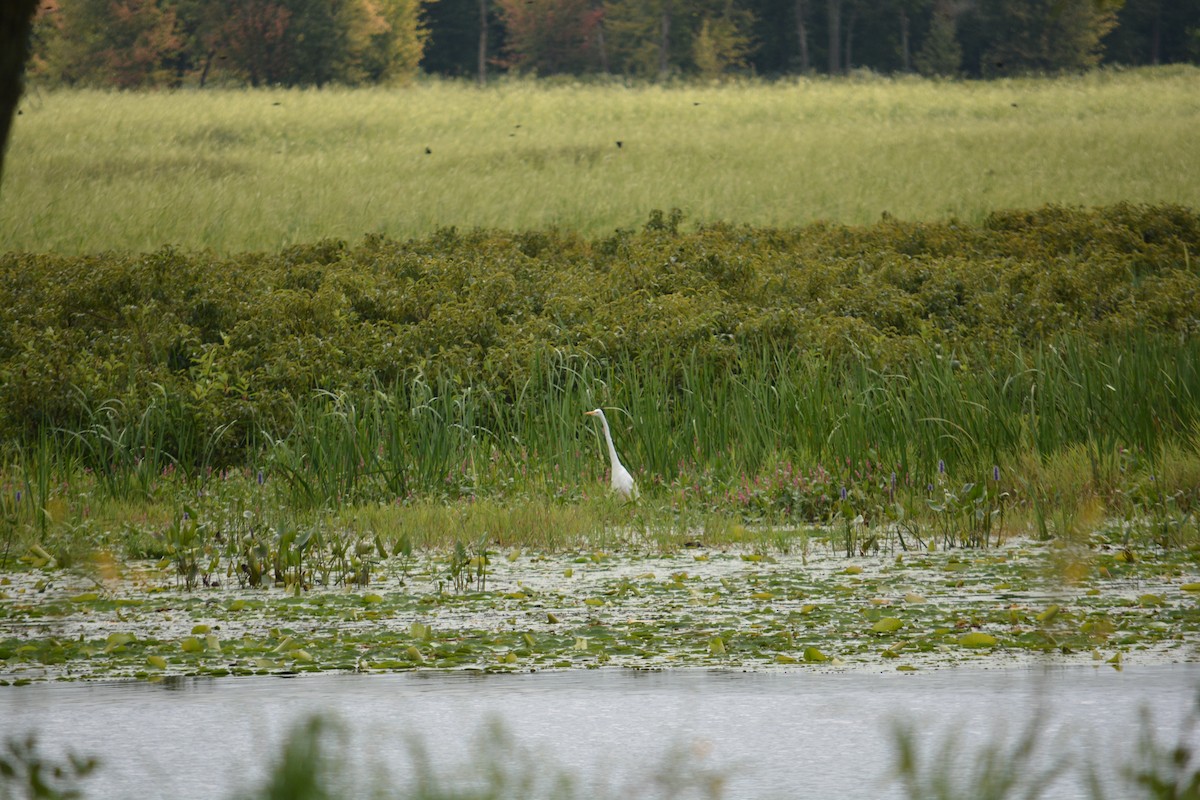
x=772 y=439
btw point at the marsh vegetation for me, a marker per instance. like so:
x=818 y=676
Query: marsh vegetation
x=321 y=431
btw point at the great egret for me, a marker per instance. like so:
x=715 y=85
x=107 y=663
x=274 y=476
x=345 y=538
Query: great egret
x=622 y=481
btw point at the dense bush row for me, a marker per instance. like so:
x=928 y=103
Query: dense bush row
x=231 y=344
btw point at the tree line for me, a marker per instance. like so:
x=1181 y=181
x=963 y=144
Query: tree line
x=144 y=43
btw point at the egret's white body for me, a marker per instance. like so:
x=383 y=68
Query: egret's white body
x=622 y=481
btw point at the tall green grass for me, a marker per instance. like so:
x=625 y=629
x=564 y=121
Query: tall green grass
x=248 y=170
x=685 y=420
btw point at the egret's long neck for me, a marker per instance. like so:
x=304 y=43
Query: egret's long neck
x=612 y=451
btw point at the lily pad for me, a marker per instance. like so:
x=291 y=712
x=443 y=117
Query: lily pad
x=887 y=625
x=813 y=655
x=977 y=639
x=1049 y=614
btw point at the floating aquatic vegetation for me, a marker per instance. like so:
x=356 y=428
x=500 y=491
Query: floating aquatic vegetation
x=800 y=611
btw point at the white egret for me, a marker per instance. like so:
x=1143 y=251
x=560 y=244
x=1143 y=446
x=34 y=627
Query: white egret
x=622 y=481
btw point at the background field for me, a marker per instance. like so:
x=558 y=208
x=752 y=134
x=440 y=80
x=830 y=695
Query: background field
x=251 y=170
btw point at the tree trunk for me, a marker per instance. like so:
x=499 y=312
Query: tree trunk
x=16 y=24
x=1156 y=35
x=802 y=33
x=483 y=44
x=664 y=44
x=835 y=36
x=848 y=49
x=208 y=59
x=602 y=47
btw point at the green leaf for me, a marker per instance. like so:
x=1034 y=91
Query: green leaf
x=1049 y=614
x=887 y=625
x=977 y=639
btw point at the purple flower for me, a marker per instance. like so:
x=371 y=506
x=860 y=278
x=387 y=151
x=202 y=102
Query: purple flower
x=18 y=495
x=843 y=492
x=996 y=472
x=941 y=466
x=260 y=478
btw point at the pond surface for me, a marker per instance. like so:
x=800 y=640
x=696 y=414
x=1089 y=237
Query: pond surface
x=615 y=731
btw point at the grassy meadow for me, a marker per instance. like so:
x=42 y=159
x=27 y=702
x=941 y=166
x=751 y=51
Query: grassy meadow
x=233 y=171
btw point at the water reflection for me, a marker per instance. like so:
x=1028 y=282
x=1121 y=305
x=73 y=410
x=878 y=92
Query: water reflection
x=772 y=735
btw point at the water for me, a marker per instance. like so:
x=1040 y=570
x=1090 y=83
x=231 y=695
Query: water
x=772 y=735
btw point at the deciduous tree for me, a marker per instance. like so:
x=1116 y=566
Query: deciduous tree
x=122 y=43
x=1045 y=35
x=399 y=46
x=940 y=53
x=722 y=42
x=256 y=41
x=547 y=37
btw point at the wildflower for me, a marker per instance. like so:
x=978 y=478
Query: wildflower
x=18 y=495
x=260 y=478
x=843 y=492
x=996 y=472
x=941 y=466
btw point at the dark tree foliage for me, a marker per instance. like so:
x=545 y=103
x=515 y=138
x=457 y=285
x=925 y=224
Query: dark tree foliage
x=315 y=42
x=453 y=48
x=1155 y=32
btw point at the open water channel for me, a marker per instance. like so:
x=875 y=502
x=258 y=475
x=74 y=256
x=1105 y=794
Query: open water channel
x=616 y=732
